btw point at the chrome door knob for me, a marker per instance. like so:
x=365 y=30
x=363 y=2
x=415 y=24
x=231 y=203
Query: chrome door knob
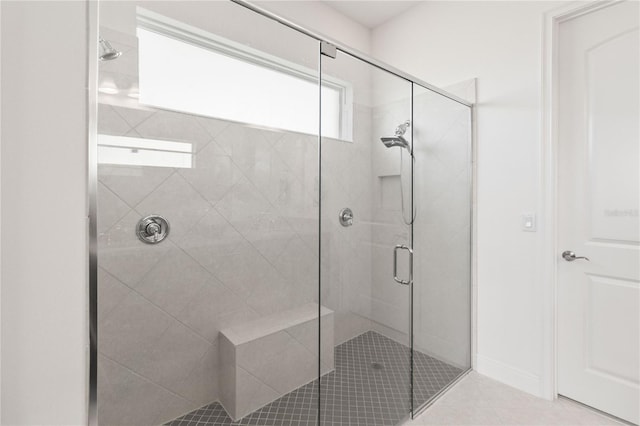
x=570 y=256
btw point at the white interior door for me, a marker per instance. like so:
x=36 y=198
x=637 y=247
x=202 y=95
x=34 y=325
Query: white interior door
x=598 y=188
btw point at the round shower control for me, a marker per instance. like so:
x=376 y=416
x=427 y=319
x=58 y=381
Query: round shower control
x=152 y=229
x=346 y=217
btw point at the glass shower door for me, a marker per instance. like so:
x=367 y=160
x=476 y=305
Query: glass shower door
x=218 y=204
x=207 y=216
x=442 y=240
x=366 y=240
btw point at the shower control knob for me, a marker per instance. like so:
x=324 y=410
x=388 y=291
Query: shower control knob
x=152 y=229
x=346 y=217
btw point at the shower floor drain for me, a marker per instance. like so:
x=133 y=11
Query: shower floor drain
x=377 y=366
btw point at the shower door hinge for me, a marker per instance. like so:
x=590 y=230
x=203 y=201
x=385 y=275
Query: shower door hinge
x=328 y=49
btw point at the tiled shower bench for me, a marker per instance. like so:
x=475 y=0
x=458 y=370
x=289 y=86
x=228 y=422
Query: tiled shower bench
x=264 y=359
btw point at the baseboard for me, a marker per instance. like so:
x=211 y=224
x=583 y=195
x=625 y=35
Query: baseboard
x=508 y=375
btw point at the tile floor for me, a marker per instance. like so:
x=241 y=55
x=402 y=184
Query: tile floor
x=478 y=400
x=355 y=394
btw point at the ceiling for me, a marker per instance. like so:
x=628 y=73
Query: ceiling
x=370 y=13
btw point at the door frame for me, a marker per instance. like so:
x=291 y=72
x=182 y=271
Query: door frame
x=548 y=194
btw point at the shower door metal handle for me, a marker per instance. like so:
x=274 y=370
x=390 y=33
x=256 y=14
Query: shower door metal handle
x=395 y=264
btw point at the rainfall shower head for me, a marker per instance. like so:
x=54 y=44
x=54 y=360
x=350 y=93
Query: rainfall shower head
x=106 y=52
x=398 y=139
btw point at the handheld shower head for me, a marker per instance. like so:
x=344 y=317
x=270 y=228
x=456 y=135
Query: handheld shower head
x=398 y=139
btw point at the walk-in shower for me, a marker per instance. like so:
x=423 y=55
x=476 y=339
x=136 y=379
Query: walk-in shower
x=229 y=290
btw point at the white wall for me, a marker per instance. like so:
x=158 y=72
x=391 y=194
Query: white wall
x=44 y=254
x=500 y=44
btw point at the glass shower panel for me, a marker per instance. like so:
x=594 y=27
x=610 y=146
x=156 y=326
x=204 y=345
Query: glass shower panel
x=371 y=382
x=208 y=119
x=442 y=237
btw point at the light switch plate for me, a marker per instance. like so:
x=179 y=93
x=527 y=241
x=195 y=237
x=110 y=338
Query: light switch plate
x=529 y=222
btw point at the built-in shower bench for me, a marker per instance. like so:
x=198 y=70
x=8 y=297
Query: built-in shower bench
x=264 y=359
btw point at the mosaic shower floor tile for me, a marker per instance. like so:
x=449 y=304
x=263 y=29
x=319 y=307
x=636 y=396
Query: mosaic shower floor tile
x=369 y=386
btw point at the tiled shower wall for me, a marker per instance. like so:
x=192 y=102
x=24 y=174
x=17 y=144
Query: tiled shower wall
x=243 y=244
x=237 y=250
x=346 y=251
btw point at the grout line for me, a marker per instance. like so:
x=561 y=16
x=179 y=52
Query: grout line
x=118 y=197
x=146 y=379
x=153 y=111
x=157 y=308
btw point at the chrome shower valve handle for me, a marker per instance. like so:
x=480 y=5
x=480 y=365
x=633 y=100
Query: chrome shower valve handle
x=152 y=229
x=346 y=217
